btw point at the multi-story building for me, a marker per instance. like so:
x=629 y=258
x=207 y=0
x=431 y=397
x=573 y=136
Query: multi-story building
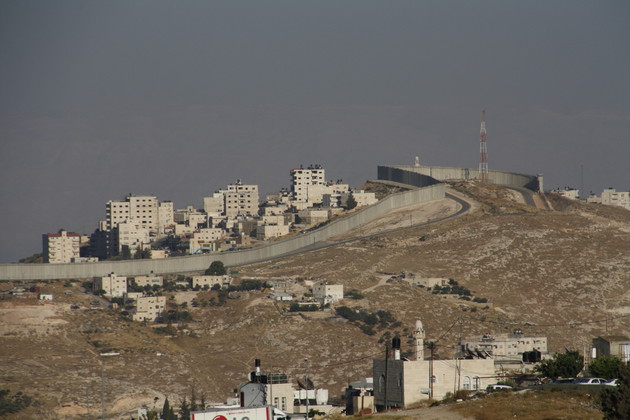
x=313 y=216
x=241 y=200
x=215 y=205
x=570 y=193
x=61 y=247
x=361 y=197
x=151 y=280
x=616 y=198
x=612 y=345
x=236 y=200
x=148 y=308
x=328 y=293
x=130 y=234
x=267 y=389
x=143 y=209
x=190 y=217
x=267 y=231
x=302 y=179
x=402 y=383
x=208 y=280
x=112 y=284
x=506 y=345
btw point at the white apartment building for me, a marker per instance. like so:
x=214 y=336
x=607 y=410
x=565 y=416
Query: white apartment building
x=166 y=217
x=190 y=217
x=361 y=197
x=132 y=235
x=61 y=247
x=143 y=209
x=241 y=200
x=113 y=285
x=268 y=231
x=209 y=234
x=236 y=200
x=312 y=216
x=302 y=179
x=152 y=280
x=214 y=206
x=570 y=193
x=328 y=293
x=612 y=197
x=148 y=308
x=506 y=345
x=207 y=280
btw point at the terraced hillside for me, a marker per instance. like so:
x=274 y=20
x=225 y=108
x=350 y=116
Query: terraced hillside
x=564 y=273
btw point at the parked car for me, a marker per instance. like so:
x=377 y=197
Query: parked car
x=612 y=382
x=498 y=387
x=590 y=381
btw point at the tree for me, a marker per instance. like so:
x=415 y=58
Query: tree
x=184 y=409
x=216 y=269
x=351 y=202
x=13 y=403
x=167 y=411
x=565 y=365
x=125 y=253
x=605 y=367
x=615 y=402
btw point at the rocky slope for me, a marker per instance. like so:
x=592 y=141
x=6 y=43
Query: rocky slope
x=564 y=273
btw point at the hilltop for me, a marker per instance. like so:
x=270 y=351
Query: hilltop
x=563 y=273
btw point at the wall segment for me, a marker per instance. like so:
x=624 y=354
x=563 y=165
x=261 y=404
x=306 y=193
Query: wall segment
x=423 y=189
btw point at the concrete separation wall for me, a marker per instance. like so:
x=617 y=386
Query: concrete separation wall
x=510 y=179
x=435 y=191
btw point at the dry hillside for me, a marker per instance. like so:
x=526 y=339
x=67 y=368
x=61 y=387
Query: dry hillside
x=564 y=273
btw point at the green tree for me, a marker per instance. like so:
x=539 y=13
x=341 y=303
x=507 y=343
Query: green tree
x=615 y=402
x=184 y=409
x=125 y=253
x=605 y=367
x=167 y=411
x=10 y=404
x=351 y=202
x=216 y=269
x=565 y=365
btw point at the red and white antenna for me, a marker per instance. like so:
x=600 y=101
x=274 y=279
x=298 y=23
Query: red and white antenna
x=483 y=150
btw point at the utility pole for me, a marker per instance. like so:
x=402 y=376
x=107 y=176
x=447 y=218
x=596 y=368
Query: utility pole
x=483 y=150
x=307 y=387
x=104 y=414
x=270 y=379
x=386 y=366
x=431 y=347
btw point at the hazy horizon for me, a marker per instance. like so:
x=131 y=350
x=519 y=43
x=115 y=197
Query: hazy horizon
x=177 y=100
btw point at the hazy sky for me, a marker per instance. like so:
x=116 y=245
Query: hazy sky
x=180 y=98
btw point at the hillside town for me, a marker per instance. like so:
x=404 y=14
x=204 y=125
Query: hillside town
x=233 y=218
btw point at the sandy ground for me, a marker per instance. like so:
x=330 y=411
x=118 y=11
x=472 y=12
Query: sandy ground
x=28 y=320
x=428 y=413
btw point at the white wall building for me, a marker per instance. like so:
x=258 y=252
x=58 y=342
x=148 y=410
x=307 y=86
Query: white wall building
x=302 y=179
x=407 y=382
x=328 y=293
x=612 y=197
x=143 y=209
x=208 y=280
x=151 y=280
x=61 y=247
x=265 y=231
x=113 y=285
x=132 y=235
x=148 y=308
x=505 y=345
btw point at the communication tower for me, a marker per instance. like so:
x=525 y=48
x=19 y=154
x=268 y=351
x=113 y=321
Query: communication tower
x=483 y=150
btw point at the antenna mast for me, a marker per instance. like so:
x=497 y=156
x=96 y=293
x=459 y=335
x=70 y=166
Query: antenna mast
x=483 y=150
